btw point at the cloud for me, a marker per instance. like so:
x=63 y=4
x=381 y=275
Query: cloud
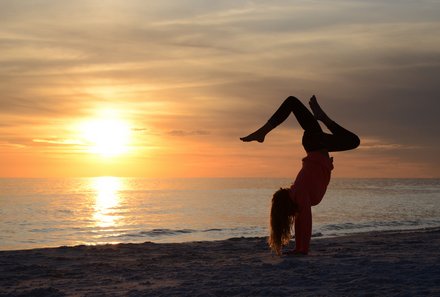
x=59 y=141
x=188 y=133
x=378 y=145
x=12 y=145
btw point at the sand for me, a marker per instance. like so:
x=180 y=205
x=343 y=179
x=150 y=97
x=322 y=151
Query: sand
x=368 y=264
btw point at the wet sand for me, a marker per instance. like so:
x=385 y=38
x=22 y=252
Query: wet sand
x=368 y=264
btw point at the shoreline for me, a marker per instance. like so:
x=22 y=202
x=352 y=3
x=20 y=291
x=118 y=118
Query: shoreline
x=390 y=263
x=315 y=236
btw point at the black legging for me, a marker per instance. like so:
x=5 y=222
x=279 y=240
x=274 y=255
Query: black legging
x=314 y=138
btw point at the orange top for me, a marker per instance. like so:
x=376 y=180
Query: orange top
x=308 y=190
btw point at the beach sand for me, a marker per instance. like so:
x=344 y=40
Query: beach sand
x=368 y=264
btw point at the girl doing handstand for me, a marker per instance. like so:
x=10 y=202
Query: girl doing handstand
x=292 y=206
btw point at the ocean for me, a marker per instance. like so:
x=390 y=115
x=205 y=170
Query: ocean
x=38 y=213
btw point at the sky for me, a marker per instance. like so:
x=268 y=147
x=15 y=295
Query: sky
x=169 y=86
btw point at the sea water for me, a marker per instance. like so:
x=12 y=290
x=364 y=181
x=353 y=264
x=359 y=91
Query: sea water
x=58 y=212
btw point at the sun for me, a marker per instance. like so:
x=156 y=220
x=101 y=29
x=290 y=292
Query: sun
x=107 y=137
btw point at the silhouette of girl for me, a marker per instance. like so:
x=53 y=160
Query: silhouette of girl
x=292 y=206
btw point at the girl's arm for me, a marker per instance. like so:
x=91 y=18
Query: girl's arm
x=303 y=228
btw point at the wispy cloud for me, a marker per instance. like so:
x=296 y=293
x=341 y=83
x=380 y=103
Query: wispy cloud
x=377 y=145
x=59 y=141
x=188 y=133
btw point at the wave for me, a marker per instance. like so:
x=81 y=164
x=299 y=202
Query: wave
x=164 y=232
x=160 y=233
x=339 y=229
x=344 y=228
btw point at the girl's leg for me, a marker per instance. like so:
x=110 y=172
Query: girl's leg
x=341 y=139
x=304 y=117
x=292 y=104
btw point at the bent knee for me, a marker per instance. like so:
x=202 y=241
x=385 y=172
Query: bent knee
x=292 y=100
x=356 y=141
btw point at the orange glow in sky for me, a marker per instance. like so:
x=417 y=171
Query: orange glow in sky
x=167 y=88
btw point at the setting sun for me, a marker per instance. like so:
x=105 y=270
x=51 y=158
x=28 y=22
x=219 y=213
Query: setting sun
x=107 y=137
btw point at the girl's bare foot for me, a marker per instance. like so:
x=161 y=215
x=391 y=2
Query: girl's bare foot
x=317 y=110
x=260 y=134
x=256 y=136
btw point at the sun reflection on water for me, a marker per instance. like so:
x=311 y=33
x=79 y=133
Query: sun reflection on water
x=107 y=199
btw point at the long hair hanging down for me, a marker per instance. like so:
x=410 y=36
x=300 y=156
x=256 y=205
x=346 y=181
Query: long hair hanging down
x=281 y=220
